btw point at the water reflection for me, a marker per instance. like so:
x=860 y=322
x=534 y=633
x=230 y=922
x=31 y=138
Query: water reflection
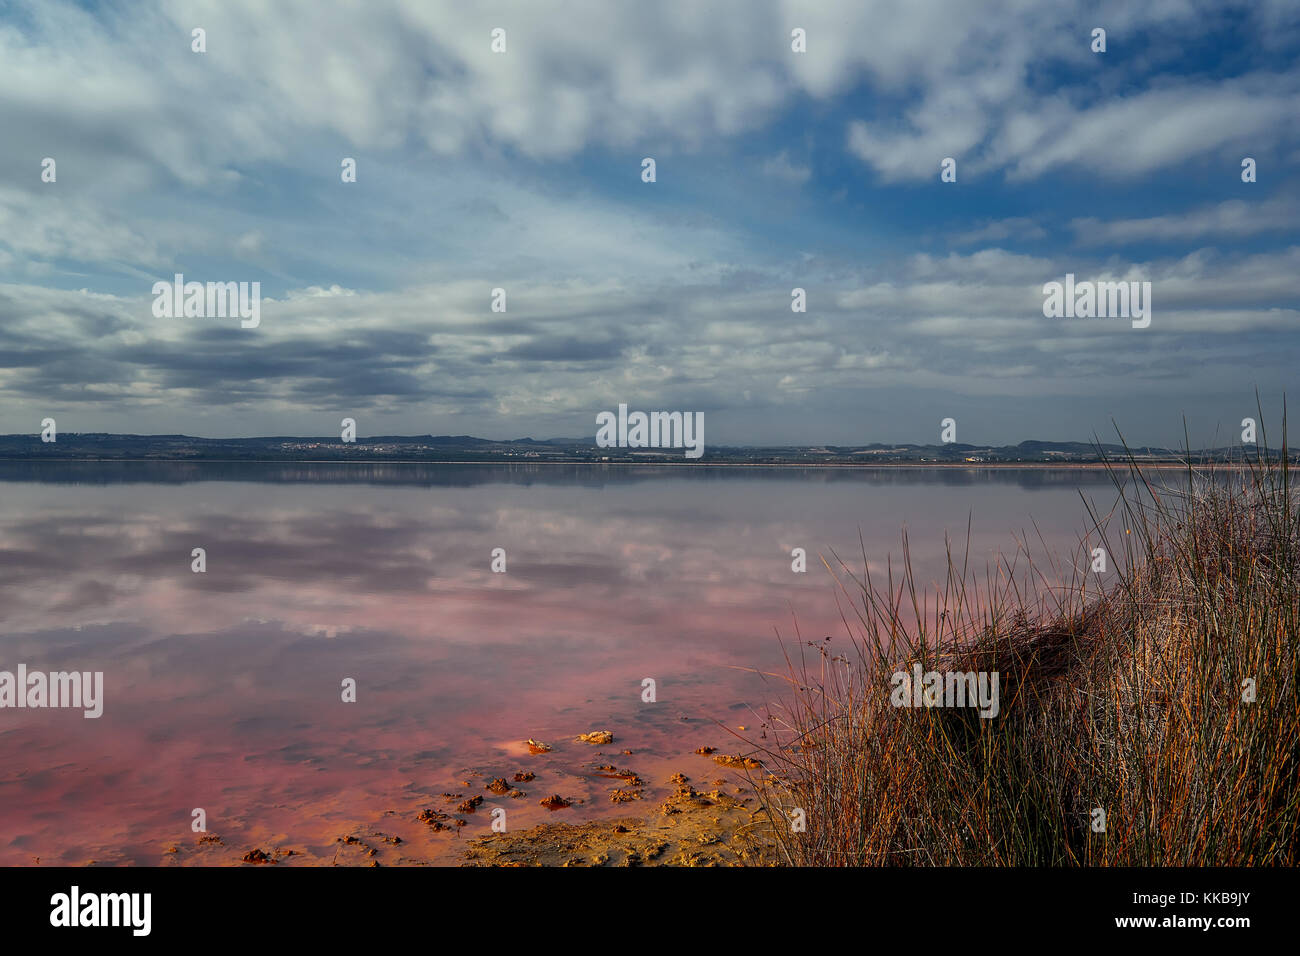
x=223 y=688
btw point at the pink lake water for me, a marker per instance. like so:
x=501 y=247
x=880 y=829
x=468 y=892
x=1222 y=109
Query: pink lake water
x=223 y=689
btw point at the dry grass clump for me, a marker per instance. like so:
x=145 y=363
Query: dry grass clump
x=1126 y=699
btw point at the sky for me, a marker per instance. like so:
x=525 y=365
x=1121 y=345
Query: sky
x=522 y=170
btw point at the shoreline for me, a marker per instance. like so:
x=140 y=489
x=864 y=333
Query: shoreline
x=711 y=817
x=927 y=465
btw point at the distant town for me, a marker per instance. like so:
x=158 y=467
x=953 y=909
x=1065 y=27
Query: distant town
x=465 y=448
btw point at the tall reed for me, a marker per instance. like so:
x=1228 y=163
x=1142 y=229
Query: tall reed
x=1127 y=699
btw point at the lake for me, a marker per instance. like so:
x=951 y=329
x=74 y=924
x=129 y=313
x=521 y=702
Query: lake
x=223 y=689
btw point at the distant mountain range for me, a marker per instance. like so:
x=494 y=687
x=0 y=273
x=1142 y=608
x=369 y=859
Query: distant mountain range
x=434 y=448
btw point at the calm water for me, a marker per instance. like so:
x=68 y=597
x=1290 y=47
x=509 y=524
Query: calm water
x=222 y=689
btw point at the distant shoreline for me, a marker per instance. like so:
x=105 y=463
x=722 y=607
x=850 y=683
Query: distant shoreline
x=918 y=465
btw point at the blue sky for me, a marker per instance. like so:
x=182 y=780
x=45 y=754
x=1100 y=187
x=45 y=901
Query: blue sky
x=775 y=169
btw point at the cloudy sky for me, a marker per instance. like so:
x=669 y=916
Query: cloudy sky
x=522 y=170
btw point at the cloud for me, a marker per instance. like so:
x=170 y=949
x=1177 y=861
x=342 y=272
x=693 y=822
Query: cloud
x=520 y=171
x=957 y=322
x=250 y=245
x=1152 y=130
x=118 y=89
x=781 y=167
x=1019 y=228
x=57 y=226
x=1234 y=218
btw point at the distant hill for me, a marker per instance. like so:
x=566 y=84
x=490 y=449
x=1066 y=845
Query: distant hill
x=104 y=446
